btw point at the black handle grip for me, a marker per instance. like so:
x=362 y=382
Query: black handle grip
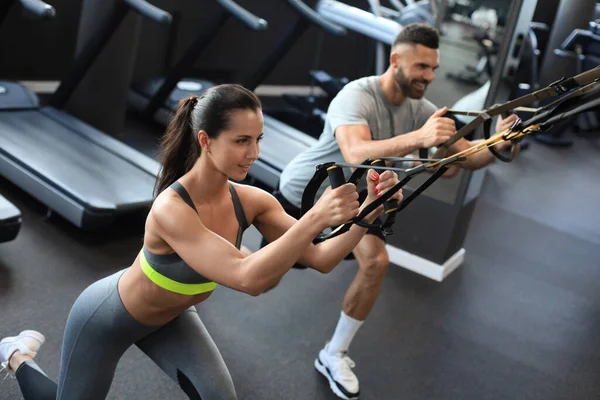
x=336 y=176
x=389 y=205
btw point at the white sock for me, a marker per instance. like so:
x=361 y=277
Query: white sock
x=344 y=333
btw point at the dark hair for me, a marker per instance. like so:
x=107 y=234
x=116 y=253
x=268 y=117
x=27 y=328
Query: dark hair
x=422 y=34
x=179 y=148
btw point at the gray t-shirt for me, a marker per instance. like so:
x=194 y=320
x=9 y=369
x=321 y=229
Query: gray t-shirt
x=360 y=102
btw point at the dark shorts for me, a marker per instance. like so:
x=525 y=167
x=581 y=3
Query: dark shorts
x=295 y=212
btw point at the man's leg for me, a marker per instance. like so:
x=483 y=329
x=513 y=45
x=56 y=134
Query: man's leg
x=373 y=261
x=333 y=361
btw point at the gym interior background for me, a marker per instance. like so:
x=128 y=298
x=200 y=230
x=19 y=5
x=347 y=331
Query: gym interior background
x=519 y=319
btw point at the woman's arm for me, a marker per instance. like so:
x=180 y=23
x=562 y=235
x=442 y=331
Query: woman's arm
x=218 y=260
x=273 y=222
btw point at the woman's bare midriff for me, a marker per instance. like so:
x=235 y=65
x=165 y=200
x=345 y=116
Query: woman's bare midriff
x=150 y=304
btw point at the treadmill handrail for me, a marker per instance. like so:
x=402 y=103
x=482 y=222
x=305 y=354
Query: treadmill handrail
x=308 y=17
x=96 y=43
x=389 y=13
x=252 y=21
x=314 y=18
x=149 y=11
x=355 y=19
x=38 y=8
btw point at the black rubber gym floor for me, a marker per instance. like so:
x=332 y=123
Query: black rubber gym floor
x=519 y=320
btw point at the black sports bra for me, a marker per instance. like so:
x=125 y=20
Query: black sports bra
x=170 y=271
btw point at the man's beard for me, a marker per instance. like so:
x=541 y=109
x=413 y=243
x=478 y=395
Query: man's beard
x=407 y=86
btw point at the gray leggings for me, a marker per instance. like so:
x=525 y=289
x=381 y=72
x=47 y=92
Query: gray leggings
x=99 y=330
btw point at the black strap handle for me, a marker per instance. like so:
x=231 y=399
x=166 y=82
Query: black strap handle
x=336 y=176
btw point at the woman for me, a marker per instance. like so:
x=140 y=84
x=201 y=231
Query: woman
x=191 y=241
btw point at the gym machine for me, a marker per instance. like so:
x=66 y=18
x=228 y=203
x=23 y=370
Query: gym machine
x=583 y=48
x=10 y=215
x=158 y=98
x=281 y=142
x=84 y=175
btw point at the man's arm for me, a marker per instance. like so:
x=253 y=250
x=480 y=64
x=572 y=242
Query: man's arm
x=483 y=158
x=357 y=145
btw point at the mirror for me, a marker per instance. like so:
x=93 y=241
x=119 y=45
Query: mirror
x=471 y=35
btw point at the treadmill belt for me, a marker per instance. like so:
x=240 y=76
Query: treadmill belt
x=281 y=143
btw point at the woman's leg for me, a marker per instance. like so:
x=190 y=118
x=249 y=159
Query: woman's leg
x=99 y=330
x=34 y=383
x=185 y=351
x=16 y=356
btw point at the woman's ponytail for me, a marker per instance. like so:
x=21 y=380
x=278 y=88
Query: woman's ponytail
x=179 y=148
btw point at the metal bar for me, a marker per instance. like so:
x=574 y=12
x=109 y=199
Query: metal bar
x=185 y=64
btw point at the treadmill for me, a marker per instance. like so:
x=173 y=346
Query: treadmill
x=84 y=175
x=10 y=215
x=582 y=46
x=156 y=99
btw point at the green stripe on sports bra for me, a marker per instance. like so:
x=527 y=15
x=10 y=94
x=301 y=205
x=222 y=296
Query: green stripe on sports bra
x=174 y=286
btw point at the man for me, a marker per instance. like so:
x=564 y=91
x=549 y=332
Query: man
x=376 y=116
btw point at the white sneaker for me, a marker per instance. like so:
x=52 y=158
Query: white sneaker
x=27 y=343
x=337 y=369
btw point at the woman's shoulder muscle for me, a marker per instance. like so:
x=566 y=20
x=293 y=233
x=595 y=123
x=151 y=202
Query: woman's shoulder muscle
x=167 y=214
x=254 y=200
